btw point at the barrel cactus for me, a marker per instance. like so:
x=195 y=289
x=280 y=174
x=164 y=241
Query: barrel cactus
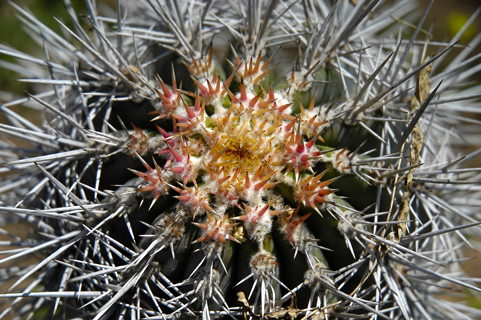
x=245 y=159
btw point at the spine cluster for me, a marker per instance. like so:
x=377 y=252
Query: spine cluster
x=235 y=150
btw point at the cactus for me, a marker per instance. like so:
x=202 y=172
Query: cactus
x=245 y=160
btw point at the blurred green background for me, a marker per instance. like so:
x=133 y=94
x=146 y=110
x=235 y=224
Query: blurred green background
x=13 y=33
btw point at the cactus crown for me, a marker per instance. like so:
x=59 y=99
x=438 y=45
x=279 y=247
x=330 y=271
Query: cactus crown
x=167 y=183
